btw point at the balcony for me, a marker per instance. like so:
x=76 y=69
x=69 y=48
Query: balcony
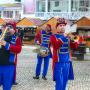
x=67 y=15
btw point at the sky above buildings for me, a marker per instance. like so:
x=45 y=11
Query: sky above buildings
x=7 y=1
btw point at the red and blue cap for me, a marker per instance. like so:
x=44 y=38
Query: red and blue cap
x=61 y=21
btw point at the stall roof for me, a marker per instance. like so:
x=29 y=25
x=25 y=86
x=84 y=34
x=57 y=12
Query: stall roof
x=83 y=22
x=36 y=21
x=25 y=23
x=29 y=22
x=1 y=21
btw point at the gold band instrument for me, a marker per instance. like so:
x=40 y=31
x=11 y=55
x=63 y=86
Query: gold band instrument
x=42 y=51
x=2 y=36
x=73 y=37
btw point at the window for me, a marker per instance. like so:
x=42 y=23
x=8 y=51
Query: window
x=0 y=14
x=11 y=14
x=80 y=5
x=18 y=0
x=8 y=14
x=16 y=13
x=83 y=9
x=56 y=10
x=74 y=5
x=40 y=6
x=84 y=4
x=56 y=3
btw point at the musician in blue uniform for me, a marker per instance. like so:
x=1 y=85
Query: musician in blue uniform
x=42 y=39
x=10 y=47
x=62 y=65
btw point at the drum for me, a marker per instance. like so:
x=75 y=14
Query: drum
x=42 y=51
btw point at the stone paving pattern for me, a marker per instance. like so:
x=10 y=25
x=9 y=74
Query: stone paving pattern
x=26 y=71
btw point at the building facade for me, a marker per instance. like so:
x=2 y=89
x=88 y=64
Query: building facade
x=70 y=9
x=10 y=9
x=45 y=9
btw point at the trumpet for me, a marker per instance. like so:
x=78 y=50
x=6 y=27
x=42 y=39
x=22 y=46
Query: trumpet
x=73 y=37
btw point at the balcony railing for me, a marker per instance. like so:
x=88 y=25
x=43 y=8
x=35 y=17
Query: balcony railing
x=67 y=15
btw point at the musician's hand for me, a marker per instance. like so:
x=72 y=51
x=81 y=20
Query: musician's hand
x=38 y=43
x=65 y=34
x=2 y=42
x=70 y=35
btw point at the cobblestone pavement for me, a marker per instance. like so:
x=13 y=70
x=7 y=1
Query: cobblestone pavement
x=26 y=71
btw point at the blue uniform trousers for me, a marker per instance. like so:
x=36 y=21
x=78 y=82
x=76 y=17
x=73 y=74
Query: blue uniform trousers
x=6 y=76
x=61 y=74
x=39 y=63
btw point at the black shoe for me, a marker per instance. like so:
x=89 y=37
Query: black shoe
x=44 y=78
x=36 y=77
x=15 y=83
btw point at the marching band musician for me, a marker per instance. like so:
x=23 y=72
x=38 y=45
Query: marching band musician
x=10 y=47
x=42 y=39
x=62 y=65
